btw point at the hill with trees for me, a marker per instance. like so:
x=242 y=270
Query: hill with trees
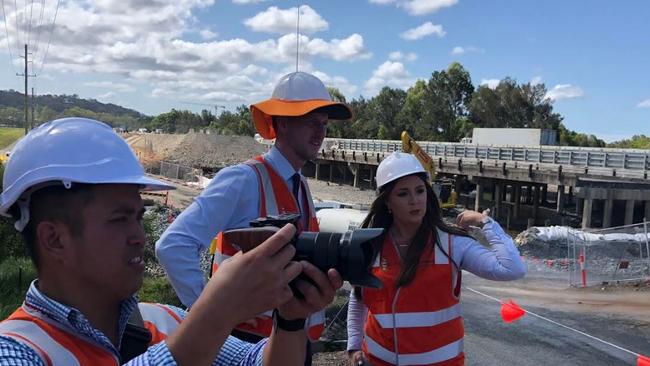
x=446 y=107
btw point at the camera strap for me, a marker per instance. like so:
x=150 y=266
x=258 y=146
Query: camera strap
x=136 y=338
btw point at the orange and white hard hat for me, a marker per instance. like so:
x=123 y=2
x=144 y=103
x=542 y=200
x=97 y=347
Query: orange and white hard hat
x=295 y=95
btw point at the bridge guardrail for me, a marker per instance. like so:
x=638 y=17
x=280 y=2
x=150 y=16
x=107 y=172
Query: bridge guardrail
x=628 y=159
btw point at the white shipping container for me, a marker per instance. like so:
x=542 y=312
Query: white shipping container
x=513 y=136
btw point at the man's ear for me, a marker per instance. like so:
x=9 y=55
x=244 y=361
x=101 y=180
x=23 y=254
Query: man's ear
x=52 y=238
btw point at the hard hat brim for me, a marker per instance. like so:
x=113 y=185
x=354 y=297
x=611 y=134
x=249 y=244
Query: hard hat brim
x=263 y=112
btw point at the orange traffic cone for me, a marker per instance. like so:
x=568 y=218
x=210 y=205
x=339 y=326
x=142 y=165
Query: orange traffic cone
x=643 y=360
x=511 y=311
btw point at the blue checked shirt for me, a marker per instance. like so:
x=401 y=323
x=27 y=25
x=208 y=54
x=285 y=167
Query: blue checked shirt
x=13 y=353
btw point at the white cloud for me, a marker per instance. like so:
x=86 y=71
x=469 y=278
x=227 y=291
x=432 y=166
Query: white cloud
x=423 y=7
x=245 y=2
x=138 y=42
x=275 y=20
x=424 y=30
x=348 y=49
x=490 y=83
x=536 y=80
x=418 y=7
x=564 y=91
x=207 y=34
x=644 y=104
x=391 y=74
x=458 y=50
x=120 y=87
x=398 y=56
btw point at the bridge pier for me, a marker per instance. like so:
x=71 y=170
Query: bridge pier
x=317 y=171
x=535 y=201
x=498 y=188
x=479 y=194
x=629 y=212
x=560 y=199
x=517 y=200
x=586 y=213
x=607 y=212
x=331 y=171
x=356 y=170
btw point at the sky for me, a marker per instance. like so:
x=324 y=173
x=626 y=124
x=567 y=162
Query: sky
x=153 y=55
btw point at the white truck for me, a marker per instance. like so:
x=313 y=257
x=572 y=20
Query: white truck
x=512 y=137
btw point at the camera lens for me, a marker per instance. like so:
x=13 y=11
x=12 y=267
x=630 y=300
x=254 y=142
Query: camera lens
x=349 y=253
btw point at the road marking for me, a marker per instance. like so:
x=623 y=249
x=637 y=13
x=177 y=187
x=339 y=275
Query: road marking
x=559 y=324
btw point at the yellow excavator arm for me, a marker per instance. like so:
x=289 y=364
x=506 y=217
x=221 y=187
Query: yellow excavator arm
x=410 y=146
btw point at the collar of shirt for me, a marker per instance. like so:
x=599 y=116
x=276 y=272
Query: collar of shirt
x=280 y=164
x=73 y=319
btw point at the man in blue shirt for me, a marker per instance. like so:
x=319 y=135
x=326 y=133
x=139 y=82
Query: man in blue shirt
x=296 y=115
x=73 y=187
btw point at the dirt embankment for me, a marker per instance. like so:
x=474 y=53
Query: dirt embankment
x=194 y=149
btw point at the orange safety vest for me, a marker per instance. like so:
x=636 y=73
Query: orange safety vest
x=55 y=344
x=275 y=199
x=419 y=324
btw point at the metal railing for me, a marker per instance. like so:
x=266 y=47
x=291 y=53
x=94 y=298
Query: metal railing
x=626 y=159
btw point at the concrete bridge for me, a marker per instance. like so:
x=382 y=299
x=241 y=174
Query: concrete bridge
x=607 y=187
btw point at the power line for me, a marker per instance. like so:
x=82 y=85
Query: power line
x=4 y=16
x=17 y=28
x=49 y=40
x=31 y=12
x=38 y=28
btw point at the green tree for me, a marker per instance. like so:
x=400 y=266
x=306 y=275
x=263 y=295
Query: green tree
x=448 y=94
x=384 y=109
x=636 y=142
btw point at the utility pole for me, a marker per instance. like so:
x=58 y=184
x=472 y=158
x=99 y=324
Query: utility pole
x=26 y=97
x=26 y=75
x=31 y=125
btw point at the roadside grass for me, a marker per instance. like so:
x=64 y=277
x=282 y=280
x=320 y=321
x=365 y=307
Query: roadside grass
x=16 y=274
x=9 y=134
x=158 y=290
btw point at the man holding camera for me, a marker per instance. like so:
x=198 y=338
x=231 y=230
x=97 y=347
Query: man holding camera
x=296 y=115
x=81 y=218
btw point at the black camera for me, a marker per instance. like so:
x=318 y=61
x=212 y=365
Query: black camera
x=349 y=253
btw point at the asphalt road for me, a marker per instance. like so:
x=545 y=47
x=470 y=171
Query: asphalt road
x=533 y=341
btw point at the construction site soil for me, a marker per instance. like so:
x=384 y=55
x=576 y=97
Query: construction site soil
x=198 y=150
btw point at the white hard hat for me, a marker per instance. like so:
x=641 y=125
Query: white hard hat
x=397 y=165
x=296 y=94
x=69 y=150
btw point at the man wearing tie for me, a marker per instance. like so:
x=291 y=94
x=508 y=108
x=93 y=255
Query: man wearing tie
x=296 y=115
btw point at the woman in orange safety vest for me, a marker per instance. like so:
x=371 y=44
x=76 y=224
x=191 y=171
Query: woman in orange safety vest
x=414 y=319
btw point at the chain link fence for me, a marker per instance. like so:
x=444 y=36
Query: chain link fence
x=613 y=255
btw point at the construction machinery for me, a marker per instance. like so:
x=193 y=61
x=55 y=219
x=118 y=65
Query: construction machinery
x=444 y=187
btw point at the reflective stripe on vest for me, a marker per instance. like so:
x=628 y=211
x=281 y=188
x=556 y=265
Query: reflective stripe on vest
x=159 y=320
x=275 y=199
x=421 y=322
x=441 y=354
x=28 y=333
x=419 y=319
x=57 y=345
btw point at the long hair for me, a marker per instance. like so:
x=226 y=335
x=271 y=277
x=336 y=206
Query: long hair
x=380 y=217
